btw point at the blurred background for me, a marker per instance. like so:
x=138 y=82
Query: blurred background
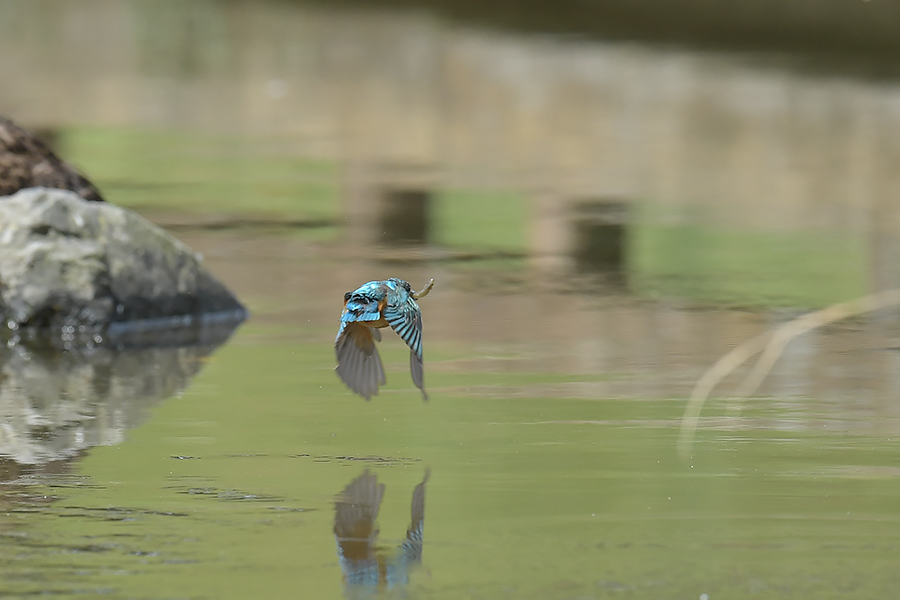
x=610 y=195
x=739 y=155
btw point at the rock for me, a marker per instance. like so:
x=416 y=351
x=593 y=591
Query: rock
x=70 y=267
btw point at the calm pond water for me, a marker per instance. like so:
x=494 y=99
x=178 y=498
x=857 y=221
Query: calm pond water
x=603 y=219
x=549 y=449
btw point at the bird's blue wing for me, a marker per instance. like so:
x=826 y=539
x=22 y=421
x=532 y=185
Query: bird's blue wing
x=362 y=308
x=363 y=305
x=406 y=319
x=418 y=372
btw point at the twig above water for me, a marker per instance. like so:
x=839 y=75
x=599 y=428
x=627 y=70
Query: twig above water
x=771 y=345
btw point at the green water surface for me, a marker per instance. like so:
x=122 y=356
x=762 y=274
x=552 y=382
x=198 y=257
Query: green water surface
x=227 y=492
x=543 y=482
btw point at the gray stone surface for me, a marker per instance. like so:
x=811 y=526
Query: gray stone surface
x=67 y=265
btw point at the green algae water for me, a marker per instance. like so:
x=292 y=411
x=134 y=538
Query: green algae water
x=549 y=450
x=719 y=193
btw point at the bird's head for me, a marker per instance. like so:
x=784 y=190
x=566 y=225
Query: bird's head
x=401 y=284
x=404 y=285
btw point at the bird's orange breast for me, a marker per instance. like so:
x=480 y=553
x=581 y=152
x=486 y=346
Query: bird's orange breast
x=380 y=322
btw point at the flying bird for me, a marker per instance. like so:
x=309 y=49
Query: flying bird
x=374 y=305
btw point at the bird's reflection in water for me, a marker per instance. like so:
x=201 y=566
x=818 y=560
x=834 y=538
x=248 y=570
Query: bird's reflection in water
x=368 y=568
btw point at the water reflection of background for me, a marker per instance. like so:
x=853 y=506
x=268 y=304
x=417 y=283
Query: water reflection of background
x=506 y=164
x=660 y=168
x=54 y=405
x=411 y=104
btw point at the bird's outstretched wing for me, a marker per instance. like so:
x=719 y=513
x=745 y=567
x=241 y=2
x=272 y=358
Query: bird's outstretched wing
x=406 y=319
x=359 y=365
x=362 y=306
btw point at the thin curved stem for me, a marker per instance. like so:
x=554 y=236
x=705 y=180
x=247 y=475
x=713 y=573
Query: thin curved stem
x=771 y=344
x=425 y=291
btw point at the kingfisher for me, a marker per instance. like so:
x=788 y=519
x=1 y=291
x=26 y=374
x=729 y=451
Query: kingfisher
x=374 y=305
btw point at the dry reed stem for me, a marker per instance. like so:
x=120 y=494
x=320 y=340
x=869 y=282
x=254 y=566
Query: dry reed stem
x=771 y=343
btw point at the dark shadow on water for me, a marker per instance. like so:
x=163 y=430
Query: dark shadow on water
x=404 y=216
x=828 y=29
x=600 y=232
x=211 y=329
x=207 y=329
x=368 y=568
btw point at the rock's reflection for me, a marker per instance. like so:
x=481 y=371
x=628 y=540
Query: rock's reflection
x=54 y=405
x=367 y=567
